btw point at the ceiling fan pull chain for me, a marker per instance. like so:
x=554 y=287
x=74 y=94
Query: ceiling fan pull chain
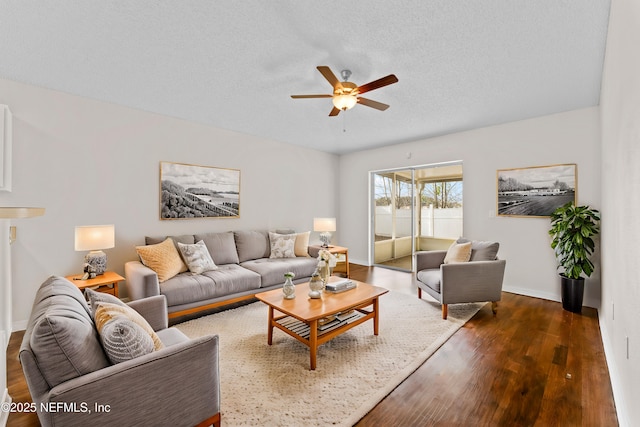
x=344 y=120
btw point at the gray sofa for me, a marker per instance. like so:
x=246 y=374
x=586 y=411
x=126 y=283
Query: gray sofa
x=73 y=382
x=244 y=269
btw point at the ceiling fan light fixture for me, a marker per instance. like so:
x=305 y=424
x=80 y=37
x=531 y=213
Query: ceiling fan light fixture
x=344 y=102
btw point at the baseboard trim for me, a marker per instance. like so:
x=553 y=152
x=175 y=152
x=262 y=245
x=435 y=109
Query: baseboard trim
x=531 y=293
x=614 y=375
x=4 y=415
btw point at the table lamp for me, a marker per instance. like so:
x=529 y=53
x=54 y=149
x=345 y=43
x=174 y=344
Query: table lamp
x=93 y=238
x=325 y=226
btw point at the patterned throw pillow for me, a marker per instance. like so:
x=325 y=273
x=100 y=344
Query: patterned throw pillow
x=106 y=312
x=458 y=252
x=123 y=339
x=282 y=245
x=162 y=258
x=197 y=257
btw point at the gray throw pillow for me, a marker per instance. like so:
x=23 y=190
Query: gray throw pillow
x=97 y=297
x=481 y=250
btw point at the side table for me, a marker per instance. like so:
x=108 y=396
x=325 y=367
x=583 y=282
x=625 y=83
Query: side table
x=341 y=253
x=107 y=282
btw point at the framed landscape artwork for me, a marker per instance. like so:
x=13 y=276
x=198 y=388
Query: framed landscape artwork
x=192 y=191
x=535 y=191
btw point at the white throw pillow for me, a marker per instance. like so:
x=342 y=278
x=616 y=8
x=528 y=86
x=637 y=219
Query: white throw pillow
x=197 y=257
x=302 y=244
x=282 y=245
x=458 y=252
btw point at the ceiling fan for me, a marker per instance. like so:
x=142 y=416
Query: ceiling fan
x=346 y=94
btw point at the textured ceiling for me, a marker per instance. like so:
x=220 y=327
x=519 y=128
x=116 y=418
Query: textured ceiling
x=234 y=64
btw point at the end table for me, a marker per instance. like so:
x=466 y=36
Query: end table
x=341 y=253
x=107 y=282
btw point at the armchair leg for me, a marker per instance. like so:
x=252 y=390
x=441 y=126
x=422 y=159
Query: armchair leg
x=445 y=311
x=419 y=293
x=494 y=307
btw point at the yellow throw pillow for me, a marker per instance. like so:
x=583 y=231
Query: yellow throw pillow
x=163 y=258
x=301 y=246
x=458 y=252
x=106 y=312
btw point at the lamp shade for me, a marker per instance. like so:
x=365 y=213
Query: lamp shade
x=94 y=237
x=324 y=224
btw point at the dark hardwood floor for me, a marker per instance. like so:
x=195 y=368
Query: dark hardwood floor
x=533 y=364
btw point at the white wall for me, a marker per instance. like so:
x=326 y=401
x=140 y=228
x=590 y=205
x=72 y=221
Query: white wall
x=620 y=108
x=572 y=137
x=89 y=162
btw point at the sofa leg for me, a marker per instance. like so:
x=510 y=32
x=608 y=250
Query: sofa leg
x=211 y=421
x=445 y=311
x=419 y=293
x=494 y=307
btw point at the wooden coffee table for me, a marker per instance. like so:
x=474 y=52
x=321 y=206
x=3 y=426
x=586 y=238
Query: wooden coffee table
x=304 y=318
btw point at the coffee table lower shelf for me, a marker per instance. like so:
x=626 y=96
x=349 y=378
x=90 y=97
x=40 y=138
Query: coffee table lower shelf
x=303 y=330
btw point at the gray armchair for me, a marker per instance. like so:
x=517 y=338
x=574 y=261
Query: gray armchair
x=72 y=382
x=478 y=280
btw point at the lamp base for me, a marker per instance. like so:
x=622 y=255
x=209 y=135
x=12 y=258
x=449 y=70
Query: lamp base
x=325 y=238
x=95 y=263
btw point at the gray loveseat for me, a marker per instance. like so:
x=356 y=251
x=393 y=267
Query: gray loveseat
x=244 y=268
x=73 y=383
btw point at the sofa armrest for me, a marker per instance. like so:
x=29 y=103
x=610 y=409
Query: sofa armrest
x=178 y=385
x=141 y=281
x=154 y=310
x=429 y=259
x=472 y=281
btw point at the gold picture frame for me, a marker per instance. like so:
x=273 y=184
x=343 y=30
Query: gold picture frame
x=535 y=191
x=193 y=191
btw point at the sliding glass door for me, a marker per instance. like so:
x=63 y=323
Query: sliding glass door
x=393 y=218
x=414 y=209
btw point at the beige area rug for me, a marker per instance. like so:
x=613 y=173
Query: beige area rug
x=273 y=386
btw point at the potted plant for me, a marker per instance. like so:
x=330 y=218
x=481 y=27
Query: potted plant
x=572 y=231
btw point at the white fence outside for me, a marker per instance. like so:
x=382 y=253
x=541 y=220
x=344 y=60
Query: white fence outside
x=442 y=223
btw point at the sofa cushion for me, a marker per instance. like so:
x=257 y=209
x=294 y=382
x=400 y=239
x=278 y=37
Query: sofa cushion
x=272 y=270
x=252 y=245
x=228 y=279
x=197 y=257
x=163 y=258
x=430 y=277
x=222 y=247
x=63 y=339
x=458 y=252
x=187 y=239
x=302 y=244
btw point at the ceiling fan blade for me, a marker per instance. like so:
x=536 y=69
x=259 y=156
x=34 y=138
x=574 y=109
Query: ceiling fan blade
x=328 y=74
x=334 y=112
x=311 y=96
x=373 y=104
x=376 y=84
